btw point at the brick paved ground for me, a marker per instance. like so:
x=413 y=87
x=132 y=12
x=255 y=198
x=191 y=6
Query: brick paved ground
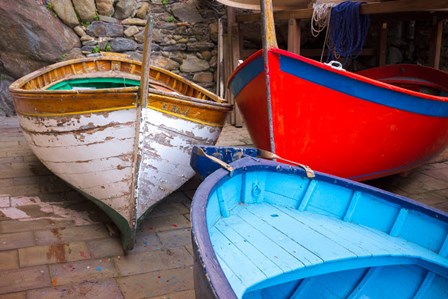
x=54 y=243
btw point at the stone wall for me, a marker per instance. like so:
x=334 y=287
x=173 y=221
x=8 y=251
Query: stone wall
x=37 y=33
x=184 y=35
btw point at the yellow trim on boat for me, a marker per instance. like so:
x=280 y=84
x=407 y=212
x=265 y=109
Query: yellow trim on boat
x=187 y=118
x=196 y=120
x=77 y=112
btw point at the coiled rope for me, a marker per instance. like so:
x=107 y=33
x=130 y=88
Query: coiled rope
x=320 y=17
x=347 y=31
x=320 y=20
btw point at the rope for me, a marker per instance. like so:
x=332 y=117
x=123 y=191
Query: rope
x=347 y=31
x=321 y=20
x=320 y=17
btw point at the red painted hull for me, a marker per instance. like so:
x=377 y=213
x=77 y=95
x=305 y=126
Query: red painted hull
x=335 y=131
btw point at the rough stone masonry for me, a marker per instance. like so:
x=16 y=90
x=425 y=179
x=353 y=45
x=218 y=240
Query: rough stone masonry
x=41 y=32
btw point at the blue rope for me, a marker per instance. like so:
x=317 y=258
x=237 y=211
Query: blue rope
x=347 y=31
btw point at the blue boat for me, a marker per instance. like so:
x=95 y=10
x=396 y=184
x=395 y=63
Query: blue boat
x=263 y=229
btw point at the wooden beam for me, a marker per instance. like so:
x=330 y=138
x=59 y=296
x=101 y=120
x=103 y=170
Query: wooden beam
x=294 y=36
x=233 y=55
x=366 y=8
x=382 y=44
x=436 y=44
x=404 y=6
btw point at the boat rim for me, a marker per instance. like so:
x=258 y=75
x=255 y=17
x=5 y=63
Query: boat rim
x=348 y=74
x=17 y=86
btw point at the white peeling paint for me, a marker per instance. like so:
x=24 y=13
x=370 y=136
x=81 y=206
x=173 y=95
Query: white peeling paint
x=51 y=210
x=14 y=213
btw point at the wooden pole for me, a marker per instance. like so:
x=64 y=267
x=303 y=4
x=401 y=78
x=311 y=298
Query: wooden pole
x=267 y=19
x=435 y=47
x=144 y=79
x=382 y=57
x=141 y=104
x=294 y=36
x=269 y=42
x=219 y=69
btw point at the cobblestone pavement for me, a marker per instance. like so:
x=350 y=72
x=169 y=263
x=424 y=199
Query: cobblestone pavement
x=54 y=243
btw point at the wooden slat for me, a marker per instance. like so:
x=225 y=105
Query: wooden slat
x=349 y=235
x=426 y=283
x=304 y=255
x=312 y=240
x=366 y=8
x=242 y=268
x=262 y=258
x=269 y=240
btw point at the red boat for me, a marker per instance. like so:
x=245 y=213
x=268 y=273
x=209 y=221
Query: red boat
x=360 y=126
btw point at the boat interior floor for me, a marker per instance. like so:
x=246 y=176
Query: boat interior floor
x=105 y=82
x=303 y=252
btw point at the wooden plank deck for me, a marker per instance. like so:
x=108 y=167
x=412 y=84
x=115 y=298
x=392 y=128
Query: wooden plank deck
x=264 y=241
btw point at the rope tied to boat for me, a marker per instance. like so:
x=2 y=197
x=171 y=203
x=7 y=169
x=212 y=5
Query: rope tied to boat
x=347 y=31
x=262 y=154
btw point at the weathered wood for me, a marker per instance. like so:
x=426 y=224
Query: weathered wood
x=84 y=120
x=144 y=78
x=366 y=8
x=233 y=35
x=382 y=44
x=435 y=47
x=269 y=38
x=294 y=36
x=220 y=86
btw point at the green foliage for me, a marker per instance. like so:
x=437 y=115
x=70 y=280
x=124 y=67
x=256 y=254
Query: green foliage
x=170 y=19
x=107 y=48
x=165 y=2
x=96 y=17
x=50 y=6
x=96 y=49
x=85 y=24
x=62 y=57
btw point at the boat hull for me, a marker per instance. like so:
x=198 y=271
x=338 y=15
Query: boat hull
x=266 y=230
x=339 y=122
x=94 y=140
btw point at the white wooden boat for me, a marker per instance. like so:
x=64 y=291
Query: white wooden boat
x=84 y=121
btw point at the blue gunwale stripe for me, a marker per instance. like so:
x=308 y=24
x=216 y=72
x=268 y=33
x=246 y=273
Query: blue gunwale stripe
x=246 y=74
x=362 y=90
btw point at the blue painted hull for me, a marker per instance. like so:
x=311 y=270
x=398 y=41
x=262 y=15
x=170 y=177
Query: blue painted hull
x=266 y=230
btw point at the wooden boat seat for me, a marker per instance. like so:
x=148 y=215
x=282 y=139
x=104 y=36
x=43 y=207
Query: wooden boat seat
x=331 y=245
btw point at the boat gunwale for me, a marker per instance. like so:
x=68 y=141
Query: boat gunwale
x=343 y=73
x=125 y=90
x=17 y=86
x=211 y=102
x=200 y=233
